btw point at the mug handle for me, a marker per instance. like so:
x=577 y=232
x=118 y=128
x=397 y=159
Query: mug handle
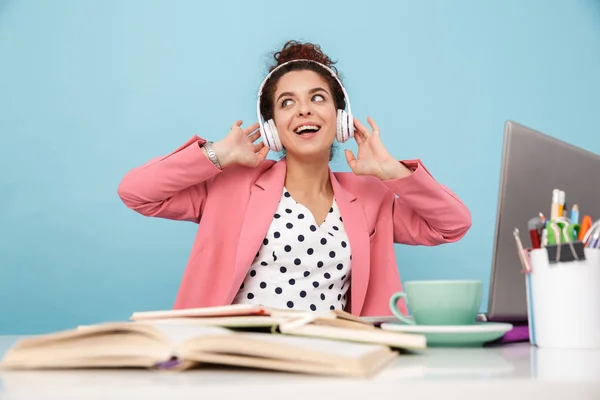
x=393 y=300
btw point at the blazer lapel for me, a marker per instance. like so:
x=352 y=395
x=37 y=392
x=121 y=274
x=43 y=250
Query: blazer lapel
x=355 y=224
x=265 y=195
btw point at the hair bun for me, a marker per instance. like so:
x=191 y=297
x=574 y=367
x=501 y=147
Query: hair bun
x=294 y=50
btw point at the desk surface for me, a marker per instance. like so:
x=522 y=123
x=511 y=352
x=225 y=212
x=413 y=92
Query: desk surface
x=504 y=372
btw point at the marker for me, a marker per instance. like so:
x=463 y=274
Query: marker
x=574 y=214
x=586 y=224
x=534 y=226
x=554 y=206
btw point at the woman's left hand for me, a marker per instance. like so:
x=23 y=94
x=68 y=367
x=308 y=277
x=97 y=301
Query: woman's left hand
x=373 y=157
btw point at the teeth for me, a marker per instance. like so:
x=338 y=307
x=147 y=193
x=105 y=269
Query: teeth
x=305 y=127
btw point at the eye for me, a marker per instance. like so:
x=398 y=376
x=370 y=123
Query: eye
x=286 y=102
x=318 y=97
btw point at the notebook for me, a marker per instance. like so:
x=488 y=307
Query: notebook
x=175 y=344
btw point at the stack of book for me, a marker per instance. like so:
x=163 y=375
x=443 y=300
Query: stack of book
x=332 y=343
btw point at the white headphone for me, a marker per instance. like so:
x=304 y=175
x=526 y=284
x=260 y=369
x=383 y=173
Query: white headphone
x=268 y=131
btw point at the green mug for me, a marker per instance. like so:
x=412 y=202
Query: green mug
x=439 y=302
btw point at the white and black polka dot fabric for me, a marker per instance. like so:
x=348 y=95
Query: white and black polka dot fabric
x=301 y=265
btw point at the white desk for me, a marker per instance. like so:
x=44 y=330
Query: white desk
x=510 y=372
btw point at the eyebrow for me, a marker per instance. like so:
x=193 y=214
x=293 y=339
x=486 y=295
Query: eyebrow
x=311 y=91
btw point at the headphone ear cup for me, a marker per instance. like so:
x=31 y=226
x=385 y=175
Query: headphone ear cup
x=342 y=133
x=339 y=135
x=265 y=134
x=345 y=125
x=350 y=126
x=274 y=141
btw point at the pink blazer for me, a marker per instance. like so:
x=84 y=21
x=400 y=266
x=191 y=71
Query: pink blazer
x=234 y=208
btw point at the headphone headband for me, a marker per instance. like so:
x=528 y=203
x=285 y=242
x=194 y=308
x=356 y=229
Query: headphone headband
x=295 y=61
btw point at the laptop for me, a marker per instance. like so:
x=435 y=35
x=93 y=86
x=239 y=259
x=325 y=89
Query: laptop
x=533 y=164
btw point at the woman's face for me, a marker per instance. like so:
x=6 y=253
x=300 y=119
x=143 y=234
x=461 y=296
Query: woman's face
x=305 y=114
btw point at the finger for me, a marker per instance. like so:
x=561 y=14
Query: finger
x=251 y=128
x=360 y=126
x=262 y=155
x=363 y=136
x=373 y=125
x=361 y=129
x=358 y=137
x=350 y=159
x=254 y=136
x=258 y=147
x=237 y=123
x=357 y=134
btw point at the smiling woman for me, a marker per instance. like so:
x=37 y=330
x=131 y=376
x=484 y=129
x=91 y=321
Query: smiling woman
x=297 y=235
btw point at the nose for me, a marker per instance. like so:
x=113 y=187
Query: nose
x=304 y=109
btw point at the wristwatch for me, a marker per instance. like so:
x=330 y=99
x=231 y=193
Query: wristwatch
x=212 y=156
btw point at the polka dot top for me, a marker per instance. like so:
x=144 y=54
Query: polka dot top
x=301 y=265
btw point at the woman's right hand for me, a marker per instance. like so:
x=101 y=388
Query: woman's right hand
x=238 y=146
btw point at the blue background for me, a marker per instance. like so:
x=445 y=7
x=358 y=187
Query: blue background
x=90 y=89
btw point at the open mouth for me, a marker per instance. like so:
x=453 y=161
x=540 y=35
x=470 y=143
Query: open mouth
x=307 y=129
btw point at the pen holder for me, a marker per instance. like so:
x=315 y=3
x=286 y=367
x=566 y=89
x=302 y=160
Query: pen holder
x=563 y=299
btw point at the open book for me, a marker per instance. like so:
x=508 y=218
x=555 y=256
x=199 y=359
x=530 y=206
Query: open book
x=336 y=325
x=177 y=344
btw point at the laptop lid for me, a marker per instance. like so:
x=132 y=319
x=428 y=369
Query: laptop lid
x=533 y=164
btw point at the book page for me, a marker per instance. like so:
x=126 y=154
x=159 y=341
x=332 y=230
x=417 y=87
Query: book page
x=325 y=346
x=179 y=331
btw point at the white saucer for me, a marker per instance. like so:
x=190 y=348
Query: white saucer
x=454 y=335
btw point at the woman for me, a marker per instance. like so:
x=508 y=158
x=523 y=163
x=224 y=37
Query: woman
x=292 y=233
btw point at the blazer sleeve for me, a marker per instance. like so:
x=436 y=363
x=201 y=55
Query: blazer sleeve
x=424 y=211
x=172 y=186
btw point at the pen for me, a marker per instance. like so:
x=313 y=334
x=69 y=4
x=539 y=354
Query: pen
x=544 y=237
x=554 y=206
x=593 y=243
x=592 y=235
x=575 y=214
